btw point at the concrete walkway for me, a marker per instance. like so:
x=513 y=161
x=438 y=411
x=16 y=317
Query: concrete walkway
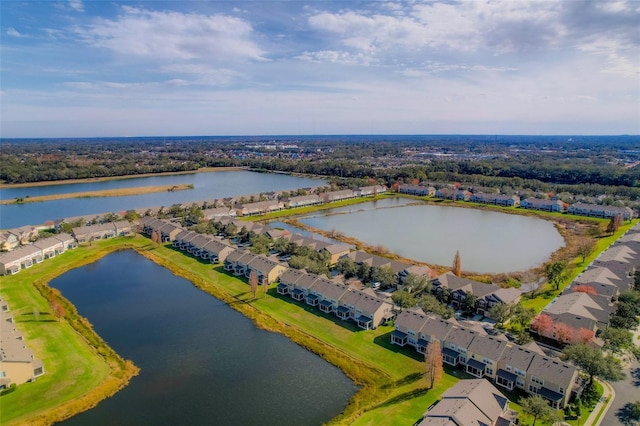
x=608 y=395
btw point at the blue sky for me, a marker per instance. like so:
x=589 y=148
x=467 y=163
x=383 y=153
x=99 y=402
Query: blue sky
x=112 y=68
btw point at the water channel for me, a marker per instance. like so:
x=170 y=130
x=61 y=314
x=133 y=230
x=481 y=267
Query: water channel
x=207 y=186
x=200 y=361
x=488 y=241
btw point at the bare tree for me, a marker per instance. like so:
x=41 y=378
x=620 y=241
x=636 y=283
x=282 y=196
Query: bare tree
x=457 y=265
x=433 y=364
x=253 y=282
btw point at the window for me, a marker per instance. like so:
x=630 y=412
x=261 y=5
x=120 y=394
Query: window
x=519 y=372
x=561 y=391
x=489 y=371
x=533 y=389
x=538 y=381
x=508 y=367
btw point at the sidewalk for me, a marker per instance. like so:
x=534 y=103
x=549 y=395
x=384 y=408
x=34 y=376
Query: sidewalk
x=606 y=399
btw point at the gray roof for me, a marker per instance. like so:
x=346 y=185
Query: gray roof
x=411 y=319
x=437 y=327
x=517 y=356
x=470 y=403
x=19 y=253
x=488 y=347
x=461 y=336
x=291 y=276
x=552 y=370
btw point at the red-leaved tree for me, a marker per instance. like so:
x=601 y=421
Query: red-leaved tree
x=585 y=289
x=564 y=333
x=542 y=324
x=583 y=335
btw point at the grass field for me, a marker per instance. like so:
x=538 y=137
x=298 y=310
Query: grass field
x=74 y=371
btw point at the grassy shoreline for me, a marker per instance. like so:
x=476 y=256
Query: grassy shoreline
x=120 y=192
x=109 y=178
x=80 y=368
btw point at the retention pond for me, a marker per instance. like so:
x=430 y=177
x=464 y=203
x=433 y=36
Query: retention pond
x=200 y=361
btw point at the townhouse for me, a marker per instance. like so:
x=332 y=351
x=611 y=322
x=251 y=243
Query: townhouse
x=26 y=256
x=497 y=199
x=302 y=200
x=209 y=214
x=344 y=194
x=17 y=362
x=243 y=264
x=364 y=308
x=533 y=203
x=166 y=230
x=260 y=207
x=575 y=311
x=507 y=364
x=366 y=191
x=419 y=190
x=470 y=402
x=488 y=294
x=595 y=210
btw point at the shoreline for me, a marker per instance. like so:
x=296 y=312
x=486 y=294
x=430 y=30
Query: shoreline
x=120 y=192
x=110 y=178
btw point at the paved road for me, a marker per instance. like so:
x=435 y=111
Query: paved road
x=627 y=391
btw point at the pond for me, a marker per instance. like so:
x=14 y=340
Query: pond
x=200 y=361
x=488 y=241
x=207 y=186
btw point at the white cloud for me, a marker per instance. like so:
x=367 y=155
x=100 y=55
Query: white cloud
x=13 y=32
x=169 y=35
x=76 y=5
x=336 y=57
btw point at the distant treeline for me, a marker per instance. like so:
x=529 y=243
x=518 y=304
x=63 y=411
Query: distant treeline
x=587 y=168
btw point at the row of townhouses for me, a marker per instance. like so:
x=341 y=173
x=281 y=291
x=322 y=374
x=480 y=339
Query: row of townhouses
x=17 y=362
x=507 y=364
x=267 y=206
x=26 y=256
x=586 y=304
x=102 y=231
x=349 y=304
x=550 y=205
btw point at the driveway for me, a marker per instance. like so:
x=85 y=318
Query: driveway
x=627 y=390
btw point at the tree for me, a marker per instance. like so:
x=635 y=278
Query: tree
x=614 y=224
x=469 y=303
x=433 y=364
x=457 y=264
x=253 y=282
x=554 y=272
x=636 y=280
x=585 y=249
x=563 y=332
x=265 y=287
x=537 y=407
x=500 y=312
x=616 y=340
x=403 y=299
x=594 y=363
x=155 y=237
x=522 y=316
x=347 y=267
x=57 y=310
x=634 y=410
x=585 y=289
x=385 y=276
x=542 y=324
x=583 y=335
x=416 y=284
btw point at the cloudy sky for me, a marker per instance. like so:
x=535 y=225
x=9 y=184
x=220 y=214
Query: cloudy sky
x=114 y=68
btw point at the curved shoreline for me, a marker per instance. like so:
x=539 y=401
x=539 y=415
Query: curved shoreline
x=120 y=192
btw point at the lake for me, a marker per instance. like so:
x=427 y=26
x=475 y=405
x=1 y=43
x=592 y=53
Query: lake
x=207 y=186
x=200 y=361
x=488 y=241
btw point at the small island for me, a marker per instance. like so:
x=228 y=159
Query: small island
x=120 y=192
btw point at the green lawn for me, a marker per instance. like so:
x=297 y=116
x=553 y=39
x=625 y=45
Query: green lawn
x=72 y=367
